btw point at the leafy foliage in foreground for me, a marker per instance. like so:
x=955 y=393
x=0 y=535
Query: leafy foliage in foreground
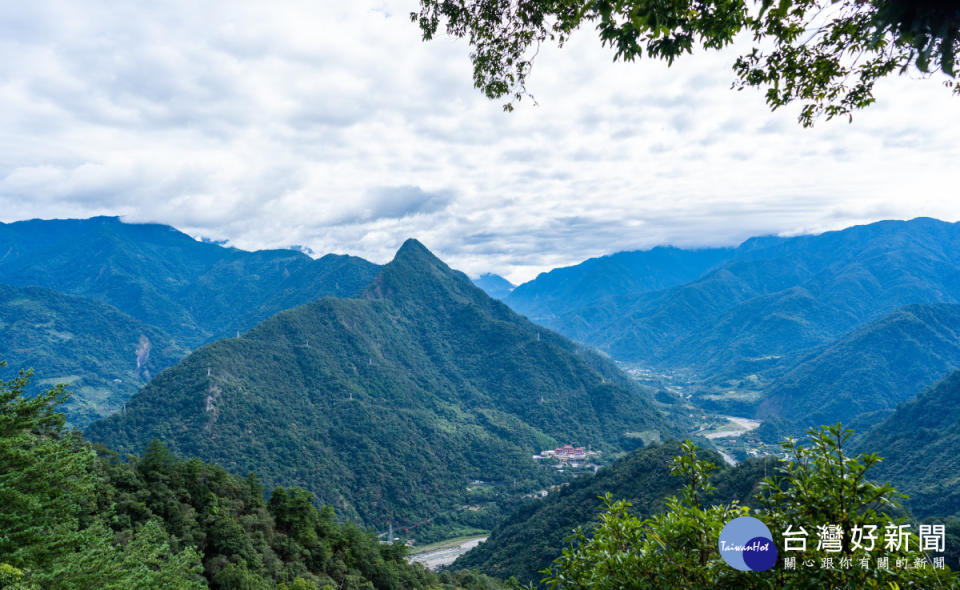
x=72 y=520
x=826 y=55
x=530 y=538
x=51 y=535
x=820 y=484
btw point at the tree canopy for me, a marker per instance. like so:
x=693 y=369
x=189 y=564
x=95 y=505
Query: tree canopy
x=74 y=517
x=51 y=536
x=824 y=54
x=819 y=485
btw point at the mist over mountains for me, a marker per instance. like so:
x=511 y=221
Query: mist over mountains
x=494 y=285
x=749 y=307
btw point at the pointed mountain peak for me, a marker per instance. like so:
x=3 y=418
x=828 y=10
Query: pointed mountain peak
x=415 y=273
x=412 y=266
x=412 y=250
x=413 y=258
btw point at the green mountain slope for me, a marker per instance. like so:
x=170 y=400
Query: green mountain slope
x=192 y=290
x=532 y=537
x=875 y=367
x=103 y=355
x=389 y=405
x=919 y=445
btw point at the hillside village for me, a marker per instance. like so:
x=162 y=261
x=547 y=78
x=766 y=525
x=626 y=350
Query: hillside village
x=569 y=456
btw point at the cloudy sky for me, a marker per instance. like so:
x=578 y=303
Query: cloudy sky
x=331 y=125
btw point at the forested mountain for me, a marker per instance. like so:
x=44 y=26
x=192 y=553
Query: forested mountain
x=559 y=294
x=875 y=367
x=919 y=445
x=773 y=298
x=494 y=285
x=192 y=290
x=101 y=353
x=388 y=405
x=528 y=540
x=74 y=520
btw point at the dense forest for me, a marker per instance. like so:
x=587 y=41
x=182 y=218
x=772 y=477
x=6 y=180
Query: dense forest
x=78 y=517
x=919 y=442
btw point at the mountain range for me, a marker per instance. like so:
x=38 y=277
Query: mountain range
x=102 y=305
x=757 y=306
x=387 y=390
x=193 y=290
x=389 y=404
x=797 y=330
x=795 y=325
x=408 y=396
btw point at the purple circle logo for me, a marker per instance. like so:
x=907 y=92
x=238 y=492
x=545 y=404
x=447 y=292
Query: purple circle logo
x=747 y=545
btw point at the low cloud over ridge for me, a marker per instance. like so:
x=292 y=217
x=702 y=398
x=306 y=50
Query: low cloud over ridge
x=331 y=125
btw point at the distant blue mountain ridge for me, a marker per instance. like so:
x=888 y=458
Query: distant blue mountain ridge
x=818 y=328
x=767 y=298
x=494 y=285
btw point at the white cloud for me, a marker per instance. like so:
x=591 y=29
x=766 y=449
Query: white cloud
x=331 y=125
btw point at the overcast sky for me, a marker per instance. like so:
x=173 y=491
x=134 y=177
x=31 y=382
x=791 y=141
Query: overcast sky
x=331 y=125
